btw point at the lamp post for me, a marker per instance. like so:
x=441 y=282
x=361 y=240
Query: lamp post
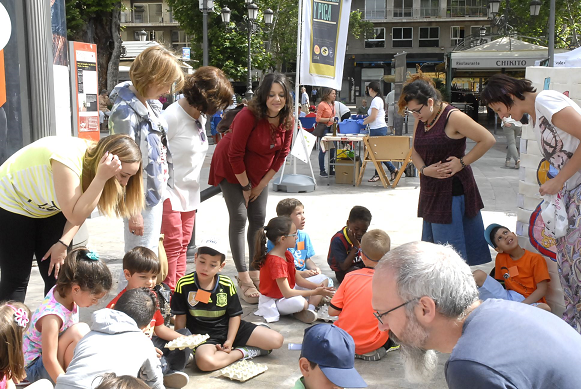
x=251 y=26
x=205 y=6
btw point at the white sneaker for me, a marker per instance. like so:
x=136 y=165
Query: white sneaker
x=306 y=316
x=250 y=352
x=176 y=380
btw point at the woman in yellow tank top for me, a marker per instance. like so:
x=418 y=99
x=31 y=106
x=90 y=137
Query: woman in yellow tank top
x=48 y=189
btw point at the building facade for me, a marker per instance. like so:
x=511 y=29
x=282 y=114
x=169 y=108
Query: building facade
x=425 y=29
x=152 y=20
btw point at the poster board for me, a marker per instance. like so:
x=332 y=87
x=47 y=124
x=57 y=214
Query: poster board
x=85 y=91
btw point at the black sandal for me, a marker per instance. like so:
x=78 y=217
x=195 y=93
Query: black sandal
x=373 y=179
x=394 y=174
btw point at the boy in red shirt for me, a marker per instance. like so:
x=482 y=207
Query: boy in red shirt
x=141 y=267
x=352 y=301
x=525 y=274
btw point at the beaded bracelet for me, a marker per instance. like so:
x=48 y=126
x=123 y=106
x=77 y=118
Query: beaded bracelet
x=462 y=162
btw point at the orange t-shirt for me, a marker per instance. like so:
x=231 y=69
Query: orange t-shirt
x=325 y=111
x=353 y=298
x=276 y=267
x=522 y=275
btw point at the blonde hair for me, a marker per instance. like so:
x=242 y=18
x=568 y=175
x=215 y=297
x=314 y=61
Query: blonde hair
x=155 y=66
x=375 y=244
x=11 y=355
x=115 y=200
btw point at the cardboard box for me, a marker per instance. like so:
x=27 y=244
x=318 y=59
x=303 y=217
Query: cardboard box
x=344 y=172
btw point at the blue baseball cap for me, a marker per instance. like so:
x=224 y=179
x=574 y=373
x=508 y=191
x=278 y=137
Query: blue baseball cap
x=333 y=350
x=487 y=234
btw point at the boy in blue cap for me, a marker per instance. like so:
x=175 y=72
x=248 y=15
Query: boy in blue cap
x=525 y=274
x=327 y=359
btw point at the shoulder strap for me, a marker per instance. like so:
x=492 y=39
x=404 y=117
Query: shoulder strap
x=448 y=115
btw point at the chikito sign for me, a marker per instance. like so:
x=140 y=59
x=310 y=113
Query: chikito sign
x=492 y=63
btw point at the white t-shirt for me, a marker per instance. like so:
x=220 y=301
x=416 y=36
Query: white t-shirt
x=379 y=121
x=188 y=145
x=557 y=146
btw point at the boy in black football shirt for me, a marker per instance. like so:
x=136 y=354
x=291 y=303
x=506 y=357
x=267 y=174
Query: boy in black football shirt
x=206 y=302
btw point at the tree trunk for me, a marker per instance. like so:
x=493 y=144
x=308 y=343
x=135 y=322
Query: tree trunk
x=103 y=31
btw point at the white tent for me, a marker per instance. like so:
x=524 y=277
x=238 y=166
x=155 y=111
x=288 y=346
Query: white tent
x=570 y=59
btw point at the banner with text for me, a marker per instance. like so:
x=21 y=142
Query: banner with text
x=324 y=39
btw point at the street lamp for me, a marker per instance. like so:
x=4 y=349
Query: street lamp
x=251 y=27
x=205 y=6
x=535 y=7
x=493 y=6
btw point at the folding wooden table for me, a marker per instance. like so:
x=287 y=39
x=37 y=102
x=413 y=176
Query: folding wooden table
x=386 y=148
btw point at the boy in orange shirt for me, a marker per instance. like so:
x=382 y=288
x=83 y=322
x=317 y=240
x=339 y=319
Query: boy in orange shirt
x=352 y=301
x=525 y=274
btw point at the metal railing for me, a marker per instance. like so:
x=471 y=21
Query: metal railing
x=375 y=14
x=459 y=11
x=146 y=17
x=403 y=12
x=429 y=12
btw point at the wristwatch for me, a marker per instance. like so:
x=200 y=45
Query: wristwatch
x=247 y=187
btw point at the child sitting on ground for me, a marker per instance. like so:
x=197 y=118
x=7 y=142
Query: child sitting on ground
x=327 y=359
x=54 y=329
x=140 y=268
x=206 y=302
x=278 y=276
x=352 y=301
x=344 y=255
x=116 y=344
x=14 y=320
x=525 y=274
x=303 y=250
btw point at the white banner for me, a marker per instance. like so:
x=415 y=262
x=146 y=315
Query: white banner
x=324 y=39
x=304 y=141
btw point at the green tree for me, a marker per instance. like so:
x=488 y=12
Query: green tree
x=227 y=45
x=358 y=26
x=567 y=21
x=98 y=22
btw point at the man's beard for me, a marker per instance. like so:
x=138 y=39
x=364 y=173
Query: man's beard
x=419 y=364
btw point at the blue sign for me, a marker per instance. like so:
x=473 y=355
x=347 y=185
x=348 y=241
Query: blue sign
x=186 y=53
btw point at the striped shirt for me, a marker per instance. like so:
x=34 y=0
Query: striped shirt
x=26 y=178
x=209 y=317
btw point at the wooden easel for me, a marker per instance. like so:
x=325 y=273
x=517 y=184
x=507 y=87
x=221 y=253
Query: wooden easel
x=386 y=148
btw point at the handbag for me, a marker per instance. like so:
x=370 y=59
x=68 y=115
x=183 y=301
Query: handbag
x=320 y=130
x=554 y=215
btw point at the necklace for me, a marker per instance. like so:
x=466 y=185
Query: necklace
x=275 y=116
x=428 y=126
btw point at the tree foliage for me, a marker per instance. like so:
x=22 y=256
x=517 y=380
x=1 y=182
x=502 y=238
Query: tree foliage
x=358 y=26
x=567 y=21
x=227 y=45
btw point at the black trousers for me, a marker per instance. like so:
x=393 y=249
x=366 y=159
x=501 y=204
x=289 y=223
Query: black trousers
x=172 y=360
x=21 y=238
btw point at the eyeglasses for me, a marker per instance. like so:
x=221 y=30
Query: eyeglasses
x=415 y=111
x=378 y=315
x=201 y=131
x=291 y=235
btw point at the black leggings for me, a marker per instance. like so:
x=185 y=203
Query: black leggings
x=239 y=214
x=21 y=238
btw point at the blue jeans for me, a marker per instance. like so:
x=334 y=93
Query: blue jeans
x=465 y=234
x=322 y=158
x=36 y=371
x=382 y=131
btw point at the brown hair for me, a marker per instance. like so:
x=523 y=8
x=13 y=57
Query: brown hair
x=82 y=267
x=141 y=260
x=500 y=86
x=111 y=381
x=155 y=66
x=326 y=93
x=208 y=90
x=375 y=244
x=258 y=103
x=420 y=88
x=286 y=207
x=11 y=334
x=277 y=227
x=116 y=201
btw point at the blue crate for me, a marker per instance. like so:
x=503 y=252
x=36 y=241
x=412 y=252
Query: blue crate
x=349 y=126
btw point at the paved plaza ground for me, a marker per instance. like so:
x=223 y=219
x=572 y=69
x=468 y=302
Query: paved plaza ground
x=327 y=209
